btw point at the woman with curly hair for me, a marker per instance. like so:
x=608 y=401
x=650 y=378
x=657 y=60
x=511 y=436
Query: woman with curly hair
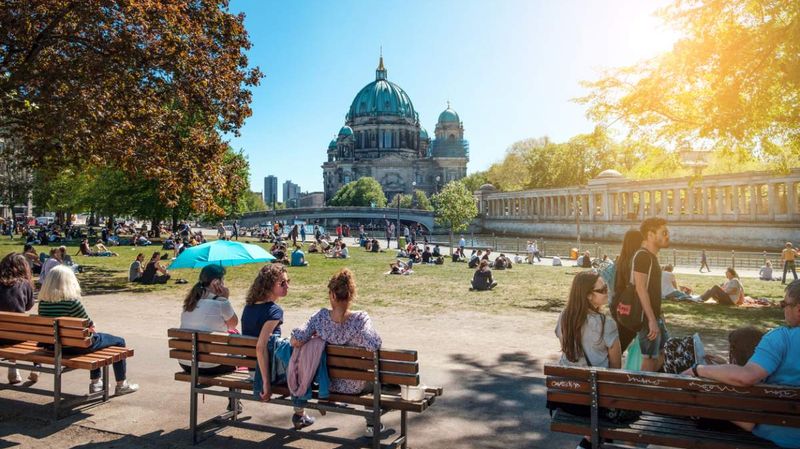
x=341 y=326
x=262 y=317
x=16 y=295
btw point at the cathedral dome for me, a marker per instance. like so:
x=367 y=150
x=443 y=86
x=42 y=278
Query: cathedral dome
x=332 y=145
x=346 y=131
x=423 y=133
x=449 y=116
x=381 y=97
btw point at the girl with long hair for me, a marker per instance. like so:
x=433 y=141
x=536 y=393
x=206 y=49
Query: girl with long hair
x=631 y=243
x=16 y=295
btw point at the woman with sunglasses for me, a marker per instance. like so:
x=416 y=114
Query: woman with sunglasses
x=588 y=337
x=262 y=317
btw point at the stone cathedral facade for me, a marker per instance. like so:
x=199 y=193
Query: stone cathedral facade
x=382 y=137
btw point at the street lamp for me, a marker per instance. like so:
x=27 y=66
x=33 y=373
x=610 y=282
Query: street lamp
x=438 y=178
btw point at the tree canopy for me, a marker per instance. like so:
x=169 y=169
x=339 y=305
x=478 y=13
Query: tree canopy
x=454 y=206
x=362 y=192
x=148 y=88
x=730 y=83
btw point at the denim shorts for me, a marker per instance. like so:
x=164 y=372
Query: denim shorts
x=651 y=348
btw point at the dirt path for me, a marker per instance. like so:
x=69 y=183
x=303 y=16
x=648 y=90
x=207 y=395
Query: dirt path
x=490 y=366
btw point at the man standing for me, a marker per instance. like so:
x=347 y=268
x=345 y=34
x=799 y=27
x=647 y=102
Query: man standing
x=461 y=244
x=647 y=279
x=704 y=261
x=788 y=255
x=775 y=361
x=236 y=229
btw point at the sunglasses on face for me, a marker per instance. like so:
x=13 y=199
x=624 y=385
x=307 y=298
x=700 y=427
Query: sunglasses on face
x=602 y=290
x=784 y=304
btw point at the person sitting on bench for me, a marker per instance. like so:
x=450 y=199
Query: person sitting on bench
x=776 y=361
x=16 y=295
x=587 y=336
x=341 y=326
x=61 y=297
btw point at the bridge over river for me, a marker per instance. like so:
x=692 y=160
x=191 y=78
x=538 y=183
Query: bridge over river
x=332 y=216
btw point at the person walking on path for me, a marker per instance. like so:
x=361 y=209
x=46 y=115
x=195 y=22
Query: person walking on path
x=647 y=279
x=704 y=261
x=788 y=256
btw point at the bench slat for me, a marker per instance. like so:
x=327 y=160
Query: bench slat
x=777 y=392
x=24 y=318
x=635 y=391
x=98 y=359
x=75 y=342
x=213 y=358
x=214 y=348
x=25 y=329
x=367 y=365
x=385 y=378
x=213 y=337
x=677 y=409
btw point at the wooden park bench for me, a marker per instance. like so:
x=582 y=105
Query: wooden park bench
x=382 y=367
x=670 y=405
x=21 y=334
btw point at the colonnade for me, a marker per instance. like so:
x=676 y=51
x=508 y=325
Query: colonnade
x=742 y=197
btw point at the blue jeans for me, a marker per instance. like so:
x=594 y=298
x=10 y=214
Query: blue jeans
x=100 y=341
x=652 y=348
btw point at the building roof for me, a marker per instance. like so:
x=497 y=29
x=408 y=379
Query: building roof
x=382 y=97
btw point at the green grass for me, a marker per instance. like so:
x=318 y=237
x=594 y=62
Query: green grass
x=430 y=290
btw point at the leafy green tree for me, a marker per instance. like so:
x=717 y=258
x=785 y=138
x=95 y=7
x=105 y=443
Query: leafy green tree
x=362 y=192
x=254 y=202
x=421 y=201
x=729 y=83
x=454 y=207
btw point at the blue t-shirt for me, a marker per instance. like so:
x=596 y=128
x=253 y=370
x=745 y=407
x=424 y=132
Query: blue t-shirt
x=255 y=315
x=297 y=258
x=783 y=365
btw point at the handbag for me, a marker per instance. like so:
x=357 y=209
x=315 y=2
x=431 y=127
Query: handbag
x=628 y=310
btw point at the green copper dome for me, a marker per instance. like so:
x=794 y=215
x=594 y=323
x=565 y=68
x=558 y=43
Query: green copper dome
x=423 y=133
x=332 y=145
x=346 y=131
x=381 y=97
x=449 y=116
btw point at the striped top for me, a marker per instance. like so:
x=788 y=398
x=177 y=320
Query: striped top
x=64 y=308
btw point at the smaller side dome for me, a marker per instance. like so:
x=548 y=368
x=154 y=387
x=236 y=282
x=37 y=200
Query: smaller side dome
x=332 y=145
x=346 y=131
x=449 y=116
x=423 y=133
x=487 y=186
x=609 y=174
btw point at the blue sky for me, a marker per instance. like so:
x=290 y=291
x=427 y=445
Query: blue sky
x=509 y=68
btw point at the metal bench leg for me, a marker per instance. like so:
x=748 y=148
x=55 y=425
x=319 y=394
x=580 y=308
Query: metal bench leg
x=193 y=391
x=595 y=412
x=105 y=383
x=57 y=372
x=404 y=429
x=376 y=403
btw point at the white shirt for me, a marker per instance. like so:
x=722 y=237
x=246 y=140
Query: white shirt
x=667 y=279
x=462 y=242
x=209 y=315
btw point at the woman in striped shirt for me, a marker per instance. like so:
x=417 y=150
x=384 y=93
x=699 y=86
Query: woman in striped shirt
x=60 y=297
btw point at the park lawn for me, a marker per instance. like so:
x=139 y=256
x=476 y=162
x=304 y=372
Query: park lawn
x=430 y=290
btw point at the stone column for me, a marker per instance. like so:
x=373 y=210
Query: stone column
x=704 y=195
x=676 y=203
x=771 y=201
x=720 y=201
x=664 y=203
x=735 y=201
x=791 y=200
x=592 y=207
x=755 y=193
x=690 y=202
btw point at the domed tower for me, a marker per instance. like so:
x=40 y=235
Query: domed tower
x=449 y=150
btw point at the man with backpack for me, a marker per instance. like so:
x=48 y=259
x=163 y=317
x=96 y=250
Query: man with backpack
x=647 y=281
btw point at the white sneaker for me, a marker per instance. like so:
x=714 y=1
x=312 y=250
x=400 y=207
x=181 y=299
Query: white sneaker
x=126 y=388
x=95 y=387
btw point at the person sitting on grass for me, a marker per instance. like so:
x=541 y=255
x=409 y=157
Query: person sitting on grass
x=136 y=269
x=414 y=256
x=474 y=259
x=102 y=251
x=587 y=336
x=33 y=258
x=437 y=252
x=60 y=296
x=775 y=361
x=730 y=293
x=84 y=249
x=670 y=288
x=502 y=262
x=376 y=246
x=155 y=272
x=427 y=255
x=765 y=273
x=341 y=326
x=298 y=257
x=400 y=267
x=141 y=240
x=482 y=278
